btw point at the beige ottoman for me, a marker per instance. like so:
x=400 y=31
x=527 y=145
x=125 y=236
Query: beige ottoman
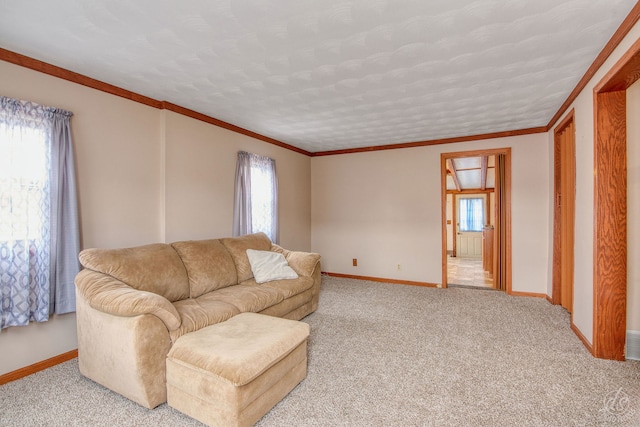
x=234 y=372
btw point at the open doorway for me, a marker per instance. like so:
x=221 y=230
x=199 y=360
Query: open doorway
x=476 y=218
x=470 y=225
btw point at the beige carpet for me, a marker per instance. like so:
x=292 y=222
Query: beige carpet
x=393 y=355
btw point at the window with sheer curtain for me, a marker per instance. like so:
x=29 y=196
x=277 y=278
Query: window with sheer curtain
x=471 y=214
x=256 y=196
x=39 y=234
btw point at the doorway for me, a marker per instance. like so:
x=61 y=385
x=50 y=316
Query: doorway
x=467 y=247
x=610 y=207
x=494 y=239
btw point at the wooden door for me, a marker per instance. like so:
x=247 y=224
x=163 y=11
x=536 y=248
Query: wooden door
x=564 y=213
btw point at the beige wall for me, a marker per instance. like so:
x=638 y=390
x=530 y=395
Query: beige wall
x=384 y=208
x=633 y=207
x=200 y=176
x=146 y=175
x=583 y=272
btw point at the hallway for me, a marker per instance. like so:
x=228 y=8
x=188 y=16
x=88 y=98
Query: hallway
x=467 y=272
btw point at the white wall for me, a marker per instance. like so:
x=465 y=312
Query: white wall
x=583 y=253
x=384 y=208
x=146 y=175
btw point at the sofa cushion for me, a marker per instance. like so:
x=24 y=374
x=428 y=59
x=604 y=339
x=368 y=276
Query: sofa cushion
x=303 y=263
x=268 y=266
x=247 y=297
x=209 y=265
x=237 y=247
x=198 y=313
x=286 y=288
x=153 y=268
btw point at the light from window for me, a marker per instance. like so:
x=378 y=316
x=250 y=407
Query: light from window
x=262 y=199
x=471 y=214
x=256 y=196
x=24 y=184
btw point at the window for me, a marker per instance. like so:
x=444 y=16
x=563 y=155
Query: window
x=39 y=234
x=256 y=196
x=24 y=184
x=471 y=214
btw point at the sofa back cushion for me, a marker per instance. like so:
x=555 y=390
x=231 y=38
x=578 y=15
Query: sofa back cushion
x=209 y=265
x=153 y=268
x=237 y=247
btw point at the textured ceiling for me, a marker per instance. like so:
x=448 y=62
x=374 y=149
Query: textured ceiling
x=330 y=74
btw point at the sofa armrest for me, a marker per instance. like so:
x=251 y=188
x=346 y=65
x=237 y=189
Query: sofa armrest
x=109 y=295
x=303 y=263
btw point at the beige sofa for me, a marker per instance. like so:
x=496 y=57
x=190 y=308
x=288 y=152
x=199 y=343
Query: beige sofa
x=133 y=303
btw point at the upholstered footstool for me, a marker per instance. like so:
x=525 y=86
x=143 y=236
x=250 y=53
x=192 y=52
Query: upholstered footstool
x=234 y=372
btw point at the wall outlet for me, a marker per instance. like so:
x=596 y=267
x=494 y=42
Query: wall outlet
x=355 y=262
x=399 y=267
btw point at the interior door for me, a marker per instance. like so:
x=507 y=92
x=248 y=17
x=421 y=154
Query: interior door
x=468 y=240
x=469 y=244
x=564 y=214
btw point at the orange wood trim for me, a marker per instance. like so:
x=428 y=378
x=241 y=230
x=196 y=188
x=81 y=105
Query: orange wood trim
x=557 y=260
x=582 y=338
x=549 y=299
x=61 y=73
x=208 y=119
x=443 y=212
x=624 y=73
x=610 y=225
x=382 y=280
x=487 y=191
x=483 y=172
x=558 y=164
x=614 y=41
x=566 y=121
x=527 y=294
x=37 y=367
x=528 y=131
x=610 y=215
x=507 y=231
x=451 y=168
x=55 y=71
x=454 y=227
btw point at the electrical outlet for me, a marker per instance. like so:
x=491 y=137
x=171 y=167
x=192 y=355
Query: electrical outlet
x=399 y=267
x=355 y=262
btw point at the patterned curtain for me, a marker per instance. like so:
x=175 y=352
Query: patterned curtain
x=256 y=196
x=36 y=229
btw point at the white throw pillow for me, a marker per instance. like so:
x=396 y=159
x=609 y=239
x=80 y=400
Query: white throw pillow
x=268 y=266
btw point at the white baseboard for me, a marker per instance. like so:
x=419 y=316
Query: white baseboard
x=633 y=345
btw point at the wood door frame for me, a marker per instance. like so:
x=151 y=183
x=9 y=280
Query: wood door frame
x=610 y=206
x=559 y=169
x=507 y=204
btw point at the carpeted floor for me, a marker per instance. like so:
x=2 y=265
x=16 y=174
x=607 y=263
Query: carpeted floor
x=393 y=355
